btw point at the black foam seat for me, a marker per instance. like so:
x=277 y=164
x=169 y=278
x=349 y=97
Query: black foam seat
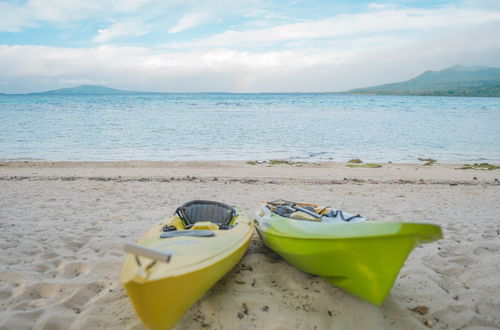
x=202 y=210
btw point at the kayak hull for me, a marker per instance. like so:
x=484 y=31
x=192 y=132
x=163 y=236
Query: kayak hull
x=364 y=258
x=161 y=304
x=162 y=294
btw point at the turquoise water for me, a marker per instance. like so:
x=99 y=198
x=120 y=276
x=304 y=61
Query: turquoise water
x=314 y=127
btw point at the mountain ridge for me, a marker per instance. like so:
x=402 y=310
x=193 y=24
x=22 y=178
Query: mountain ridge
x=84 y=89
x=457 y=80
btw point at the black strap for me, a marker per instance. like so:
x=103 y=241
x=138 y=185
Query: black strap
x=342 y=217
x=282 y=205
x=169 y=228
x=180 y=213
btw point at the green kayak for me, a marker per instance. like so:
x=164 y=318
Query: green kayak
x=362 y=257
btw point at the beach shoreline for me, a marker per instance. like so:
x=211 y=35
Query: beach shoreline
x=63 y=226
x=324 y=171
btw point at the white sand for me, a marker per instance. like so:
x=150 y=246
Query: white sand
x=62 y=227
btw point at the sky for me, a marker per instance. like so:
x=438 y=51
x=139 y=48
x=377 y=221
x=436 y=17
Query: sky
x=239 y=46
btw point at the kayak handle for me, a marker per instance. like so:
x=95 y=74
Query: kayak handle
x=147 y=252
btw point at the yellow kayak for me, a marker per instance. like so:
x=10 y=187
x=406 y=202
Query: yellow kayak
x=181 y=258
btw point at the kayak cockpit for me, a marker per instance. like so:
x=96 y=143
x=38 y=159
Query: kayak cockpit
x=207 y=231
x=311 y=212
x=205 y=215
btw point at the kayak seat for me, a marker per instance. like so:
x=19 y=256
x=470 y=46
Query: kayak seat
x=203 y=211
x=205 y=225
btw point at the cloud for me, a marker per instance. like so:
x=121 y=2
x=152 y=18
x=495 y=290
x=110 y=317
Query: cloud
x=188 y=14
x=14 y=18
x=202 y=12
x=28 y=68
x=373 y=22
x=189 y=21
x=123 y=28
x=375 y=5
x=260 y=52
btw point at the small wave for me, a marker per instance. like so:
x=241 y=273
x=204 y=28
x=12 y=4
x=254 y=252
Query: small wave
x=237 y=104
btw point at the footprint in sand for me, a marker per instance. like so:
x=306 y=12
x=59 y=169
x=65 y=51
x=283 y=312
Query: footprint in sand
x=18 y=288
x=47 y=290
x=71 y=270
x=449 y=286
x=116 y=254
x=26 y=293
x=450 y=271
x=36 y=295
x=490 y=234
x=482 y=250
x=116 y=218
x=75 y=246
x=41 y=268
x=446 y=252
x=92 y=230
x=5 y=293
x=50 y=255
x=20 y=319
x=490 y=310
x=463 y=261
x=83 y=295
x=444 y=267
x=7 y=290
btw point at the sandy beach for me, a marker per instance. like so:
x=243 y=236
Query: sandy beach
x=63 y=226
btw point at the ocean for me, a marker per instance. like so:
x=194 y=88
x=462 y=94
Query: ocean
x=220 y=126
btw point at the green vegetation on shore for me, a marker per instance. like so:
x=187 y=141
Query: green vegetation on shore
x=273 y=162
x=367 y=165
x=356 y=162
x=481 y=166
x=428 y=161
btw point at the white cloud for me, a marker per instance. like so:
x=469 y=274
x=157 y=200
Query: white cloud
x=123 y=28
x=329 y=54
x=188 y=13
x=12 y=18
x=28 y=68
x=61 y=11
x=202 y=12
x=16 y=17
x=190 y=20
x=375 y=5
x=379 y=21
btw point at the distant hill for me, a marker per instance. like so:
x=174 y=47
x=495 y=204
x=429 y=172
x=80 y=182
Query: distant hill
x=85 y=89
x=457 y=80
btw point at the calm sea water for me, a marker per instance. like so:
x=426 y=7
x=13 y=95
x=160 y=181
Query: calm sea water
x=315 y=127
